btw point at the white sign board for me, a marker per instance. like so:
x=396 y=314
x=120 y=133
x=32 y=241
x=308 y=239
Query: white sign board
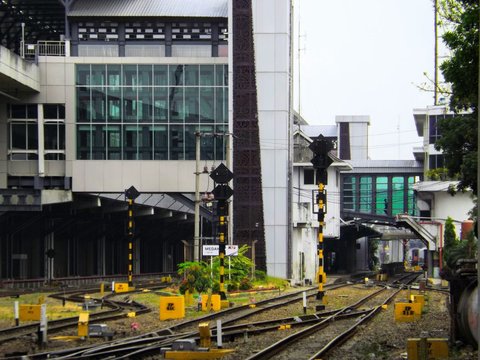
x=210 y=250
x=231 y=250
x=213 y=250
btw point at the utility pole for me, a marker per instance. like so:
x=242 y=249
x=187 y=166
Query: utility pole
x=321 y=161
x=196 y=231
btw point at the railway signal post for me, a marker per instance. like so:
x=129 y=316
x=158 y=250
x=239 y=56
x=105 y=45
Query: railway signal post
x=131 y=194
x=222 y=175
x=321 y=161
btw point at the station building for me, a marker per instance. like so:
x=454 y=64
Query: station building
x=99 y=96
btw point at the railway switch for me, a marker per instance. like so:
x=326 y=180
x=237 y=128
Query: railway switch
x=185 y=349
x=100 y=330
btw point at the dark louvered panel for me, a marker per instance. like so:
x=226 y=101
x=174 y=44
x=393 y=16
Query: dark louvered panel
x=248 y=203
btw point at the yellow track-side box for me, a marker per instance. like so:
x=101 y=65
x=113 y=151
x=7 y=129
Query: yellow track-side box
x=407 y=312
x=434 y=349
x=215 y=302
x=418 y=299
x=121 y=287
x=172 y=307
x=30 y=312
x=83 y=319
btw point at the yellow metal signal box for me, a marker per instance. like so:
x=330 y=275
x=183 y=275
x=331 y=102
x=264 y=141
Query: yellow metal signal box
x=30 y=312
x=215 y=305
x=83 y=319
x=121 y=287
x=408 y=312
x=418 y=299
x=172 y=307
x=433 y=349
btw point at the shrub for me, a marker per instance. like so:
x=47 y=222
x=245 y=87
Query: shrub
x=233 y=286
x=245 y=284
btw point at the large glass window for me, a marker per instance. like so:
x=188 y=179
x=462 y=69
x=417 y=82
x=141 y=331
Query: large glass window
x=381 y=196
x=349 y=193
x=365 y=194
x=23 y=131
x=150 y=111
x=398 y=188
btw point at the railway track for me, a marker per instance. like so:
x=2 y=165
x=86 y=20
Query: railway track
x=115 y=310
x=150 y=343
x=316 y=341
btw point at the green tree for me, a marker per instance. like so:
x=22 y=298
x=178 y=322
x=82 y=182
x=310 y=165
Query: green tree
x=460 y=71
x=196 y=276
x=450 y=241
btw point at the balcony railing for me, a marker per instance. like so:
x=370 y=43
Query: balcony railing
x=43 y=48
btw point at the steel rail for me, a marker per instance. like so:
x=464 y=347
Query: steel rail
x=351 y=331
x=153 y=336
x=115 y=307
x=284 y=343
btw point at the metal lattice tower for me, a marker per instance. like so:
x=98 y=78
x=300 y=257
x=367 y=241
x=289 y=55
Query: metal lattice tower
x=248 y=202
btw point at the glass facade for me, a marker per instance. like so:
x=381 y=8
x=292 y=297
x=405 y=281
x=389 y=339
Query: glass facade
x=151 y=112
x=378 y=194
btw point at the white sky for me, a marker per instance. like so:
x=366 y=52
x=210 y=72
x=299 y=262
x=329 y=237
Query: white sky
x=365 y=57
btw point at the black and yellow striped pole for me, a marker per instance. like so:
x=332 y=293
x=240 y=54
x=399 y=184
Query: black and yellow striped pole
x=222 y=235
x=222 y=175
x=130 y=236
x=321 y=161
x=321 y=275
x=131 y=194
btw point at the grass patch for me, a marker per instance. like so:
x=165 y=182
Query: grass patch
x=55 y=310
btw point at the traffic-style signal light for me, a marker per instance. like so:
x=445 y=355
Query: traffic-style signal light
x=320 y=148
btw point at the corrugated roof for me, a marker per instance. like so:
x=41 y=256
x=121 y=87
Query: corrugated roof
x=315 y=130
x=435 y=186
x=150 y=8
x=386 y=166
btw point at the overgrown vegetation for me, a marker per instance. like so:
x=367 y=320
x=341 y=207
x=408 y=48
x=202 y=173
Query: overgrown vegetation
x=455 y=249
x=373 y=259
x=440 y=174
x=460 y=71
x=200 y=276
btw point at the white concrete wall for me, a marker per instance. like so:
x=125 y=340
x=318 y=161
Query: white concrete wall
x=146 y=176
x=457 y=207
x=271 y=23
x=14 y=68
x=359 y=141
x=305 y=222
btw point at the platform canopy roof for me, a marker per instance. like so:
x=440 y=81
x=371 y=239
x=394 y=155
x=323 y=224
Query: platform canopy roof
x=150 y=8
x=45 y=19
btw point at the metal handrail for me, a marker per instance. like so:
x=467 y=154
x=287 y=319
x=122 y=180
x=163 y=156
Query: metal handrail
x=44 y=48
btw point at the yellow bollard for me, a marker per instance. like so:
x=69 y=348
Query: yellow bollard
x=83 y=319
x=205 y=335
